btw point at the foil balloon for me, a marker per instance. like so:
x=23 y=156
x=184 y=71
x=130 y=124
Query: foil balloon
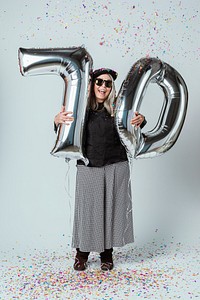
x=170 y=121
x=73 y=65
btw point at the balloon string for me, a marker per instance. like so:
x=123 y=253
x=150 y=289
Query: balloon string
x=129 y=206
x=67 y=189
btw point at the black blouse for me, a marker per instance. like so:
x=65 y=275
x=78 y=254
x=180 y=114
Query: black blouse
x=102 y=142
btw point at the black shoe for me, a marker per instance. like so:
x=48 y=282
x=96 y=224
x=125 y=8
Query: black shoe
x=81 y=258
x=106 y=260
x=106 y=266
x=80 y=264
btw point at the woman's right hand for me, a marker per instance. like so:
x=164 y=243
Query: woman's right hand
x=63 y=117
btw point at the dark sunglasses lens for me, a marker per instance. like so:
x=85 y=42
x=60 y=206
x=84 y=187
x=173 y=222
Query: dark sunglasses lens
x=108 y=83
x=99 y=82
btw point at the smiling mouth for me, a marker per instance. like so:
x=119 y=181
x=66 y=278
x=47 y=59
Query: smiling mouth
x=102 y=92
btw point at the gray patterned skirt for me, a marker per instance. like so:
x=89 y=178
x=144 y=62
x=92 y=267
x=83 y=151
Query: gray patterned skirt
x=103 y=208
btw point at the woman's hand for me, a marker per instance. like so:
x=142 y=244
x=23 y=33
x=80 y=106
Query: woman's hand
x=63 y=117
x=137 y=120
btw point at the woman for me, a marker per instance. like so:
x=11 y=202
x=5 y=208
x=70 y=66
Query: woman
x=103 y=214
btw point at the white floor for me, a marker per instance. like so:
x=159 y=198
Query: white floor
x=155 y=270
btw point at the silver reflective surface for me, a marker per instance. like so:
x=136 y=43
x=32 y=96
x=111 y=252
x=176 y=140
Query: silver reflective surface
x=170 y=121
x=73 y=65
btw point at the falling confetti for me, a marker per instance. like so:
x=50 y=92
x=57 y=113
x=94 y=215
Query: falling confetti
x=167 y=29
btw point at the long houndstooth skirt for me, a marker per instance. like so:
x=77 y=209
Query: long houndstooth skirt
x=103 y=208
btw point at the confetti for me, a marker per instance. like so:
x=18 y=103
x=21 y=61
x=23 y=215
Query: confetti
x=169 y=30
x=153 y=271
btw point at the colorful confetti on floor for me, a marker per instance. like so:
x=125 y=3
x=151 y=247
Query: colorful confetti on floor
x=156 y=270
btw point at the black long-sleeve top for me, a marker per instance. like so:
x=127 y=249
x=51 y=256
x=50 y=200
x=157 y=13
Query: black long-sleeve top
x=101 y=142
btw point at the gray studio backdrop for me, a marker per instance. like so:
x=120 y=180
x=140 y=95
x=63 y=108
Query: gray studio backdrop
x=37 y=189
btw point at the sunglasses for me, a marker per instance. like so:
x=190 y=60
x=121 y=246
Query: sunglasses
x=100 y=82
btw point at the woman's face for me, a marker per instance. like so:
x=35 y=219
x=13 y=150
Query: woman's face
x=102 y=92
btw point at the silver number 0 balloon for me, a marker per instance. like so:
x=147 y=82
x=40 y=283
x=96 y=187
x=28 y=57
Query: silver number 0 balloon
x=73 y=65
x=172 y=116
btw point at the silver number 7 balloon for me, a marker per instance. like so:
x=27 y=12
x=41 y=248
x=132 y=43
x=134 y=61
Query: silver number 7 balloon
x=172 y=116
x=73 y=65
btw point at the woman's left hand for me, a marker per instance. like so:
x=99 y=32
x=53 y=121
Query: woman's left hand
x=137 y=120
